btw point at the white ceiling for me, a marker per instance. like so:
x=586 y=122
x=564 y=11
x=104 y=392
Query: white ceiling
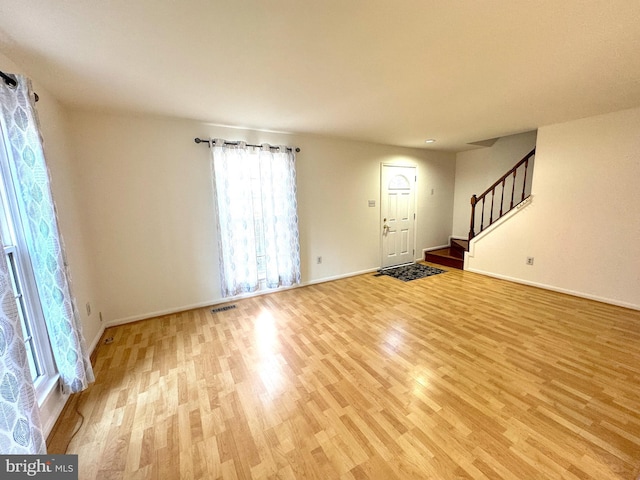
x=393 y=71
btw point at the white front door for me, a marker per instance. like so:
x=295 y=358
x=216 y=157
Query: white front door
x=397 y=209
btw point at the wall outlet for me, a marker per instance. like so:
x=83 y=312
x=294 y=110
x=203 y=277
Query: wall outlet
x=100 y=314
x=88 y=305
x=529 y=260
x=319 y=260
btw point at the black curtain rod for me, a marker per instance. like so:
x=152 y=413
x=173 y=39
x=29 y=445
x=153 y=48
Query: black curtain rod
x=208 y=142
x=12 y=83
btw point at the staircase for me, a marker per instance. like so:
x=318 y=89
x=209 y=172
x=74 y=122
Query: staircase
x=494 y=208
x=452 y=256
x=504 y=195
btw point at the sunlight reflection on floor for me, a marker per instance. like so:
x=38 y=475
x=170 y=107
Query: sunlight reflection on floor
x=266 y=340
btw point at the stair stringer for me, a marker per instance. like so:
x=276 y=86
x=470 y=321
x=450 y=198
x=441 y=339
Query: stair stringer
x=495 y=226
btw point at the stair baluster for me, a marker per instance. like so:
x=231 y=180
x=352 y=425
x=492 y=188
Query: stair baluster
x=473 y=216
x=502 y=180
x=524 y=182
x=513 y=188
x=493 y=194
x=502 y=197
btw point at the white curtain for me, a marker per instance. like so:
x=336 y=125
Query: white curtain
x=37 y=210
x=255 y=196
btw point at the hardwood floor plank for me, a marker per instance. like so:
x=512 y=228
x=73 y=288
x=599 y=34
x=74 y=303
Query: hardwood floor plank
x=453 y=376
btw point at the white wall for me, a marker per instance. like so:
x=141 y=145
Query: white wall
x=583 y=226
x=477 y=170
x=54 y=127
x=147 y=190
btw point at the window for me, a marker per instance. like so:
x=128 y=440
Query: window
x=256 y=204
x=22 y=279
x=258 y=224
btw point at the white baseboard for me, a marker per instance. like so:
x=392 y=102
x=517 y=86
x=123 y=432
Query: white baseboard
x=51 y=408
x=338 y=277
x=160 y=313
x=53 y=404
x=94 y=344
x=430 y=249
x=553 y=288
x=218 y=301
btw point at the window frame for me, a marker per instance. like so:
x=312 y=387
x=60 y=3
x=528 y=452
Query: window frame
x=14 y=241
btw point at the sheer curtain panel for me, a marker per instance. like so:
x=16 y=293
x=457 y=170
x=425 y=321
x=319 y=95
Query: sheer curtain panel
x=20 y=429
x=31 y=179
x=255 y=197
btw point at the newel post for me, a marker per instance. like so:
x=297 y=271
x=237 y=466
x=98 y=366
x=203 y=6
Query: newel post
x=474 y=200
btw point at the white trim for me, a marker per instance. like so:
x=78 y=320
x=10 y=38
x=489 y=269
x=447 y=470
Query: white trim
x=48 y=385
x=431 y=249
x=337 y=277
x=451 y=238
x=471 y=253
x=160 y=313
x=472 y=244
x=566 y=291
x=15 y=239
x=53 y=402
x=399 y=265
x=96 y=340
x=218 y=301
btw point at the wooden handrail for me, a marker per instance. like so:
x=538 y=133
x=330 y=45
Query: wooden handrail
x=510 y=172
x=501 y=181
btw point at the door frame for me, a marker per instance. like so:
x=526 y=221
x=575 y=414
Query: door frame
x=415 y=206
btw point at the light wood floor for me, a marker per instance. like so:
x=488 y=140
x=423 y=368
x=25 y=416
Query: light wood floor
x=456 y=376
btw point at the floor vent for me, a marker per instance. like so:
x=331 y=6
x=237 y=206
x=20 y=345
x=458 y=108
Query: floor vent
x=223 y=309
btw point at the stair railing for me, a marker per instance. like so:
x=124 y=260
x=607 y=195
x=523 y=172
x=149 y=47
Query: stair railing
x=476 y=199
